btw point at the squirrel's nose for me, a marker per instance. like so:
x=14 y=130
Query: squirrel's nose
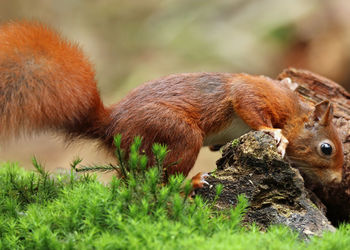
x=335 y=176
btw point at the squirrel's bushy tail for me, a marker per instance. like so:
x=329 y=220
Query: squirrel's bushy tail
x=46 y=83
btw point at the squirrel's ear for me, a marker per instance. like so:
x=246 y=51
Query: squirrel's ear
x=323 y=113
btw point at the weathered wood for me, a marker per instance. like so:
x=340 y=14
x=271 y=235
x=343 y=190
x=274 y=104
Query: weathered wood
x=275 y=190
x=315 y=88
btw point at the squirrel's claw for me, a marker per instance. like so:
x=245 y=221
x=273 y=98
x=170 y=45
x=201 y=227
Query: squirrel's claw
x=282 y=141
x=282 y=147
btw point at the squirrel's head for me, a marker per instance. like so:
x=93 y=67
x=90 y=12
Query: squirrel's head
x=317 y=149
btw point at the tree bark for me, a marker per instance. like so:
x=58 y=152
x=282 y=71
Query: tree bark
x=315 y=88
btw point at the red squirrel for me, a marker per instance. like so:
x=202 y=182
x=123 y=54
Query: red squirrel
x=47 y=84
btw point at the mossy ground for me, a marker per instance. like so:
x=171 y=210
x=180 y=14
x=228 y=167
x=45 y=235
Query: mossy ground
x=82 y=213
x=42 y=211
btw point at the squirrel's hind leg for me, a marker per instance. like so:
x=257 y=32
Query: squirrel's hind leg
x=184 y=152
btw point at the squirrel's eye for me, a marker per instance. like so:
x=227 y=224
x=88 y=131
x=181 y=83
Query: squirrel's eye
x=326 y=148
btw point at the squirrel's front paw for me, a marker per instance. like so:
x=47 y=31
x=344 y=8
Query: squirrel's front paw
x=282 y=141
x=290 y=84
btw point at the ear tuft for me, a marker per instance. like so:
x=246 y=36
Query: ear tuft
x=323 y=113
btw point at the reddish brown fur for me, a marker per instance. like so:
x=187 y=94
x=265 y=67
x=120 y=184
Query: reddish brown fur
x=46 y=83
x=313 y=131
x=263 y=102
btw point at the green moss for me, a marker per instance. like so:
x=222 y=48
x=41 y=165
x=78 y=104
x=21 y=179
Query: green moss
x=235 y=142
x=39 y=211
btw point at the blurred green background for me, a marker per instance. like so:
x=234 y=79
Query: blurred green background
x=131 y=42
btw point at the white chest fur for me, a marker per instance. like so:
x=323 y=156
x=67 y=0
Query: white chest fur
x=234 y=130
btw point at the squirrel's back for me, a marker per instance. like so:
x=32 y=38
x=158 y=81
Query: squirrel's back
x=46 y=83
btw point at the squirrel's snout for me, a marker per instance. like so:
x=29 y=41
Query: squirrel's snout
x=334 y=176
